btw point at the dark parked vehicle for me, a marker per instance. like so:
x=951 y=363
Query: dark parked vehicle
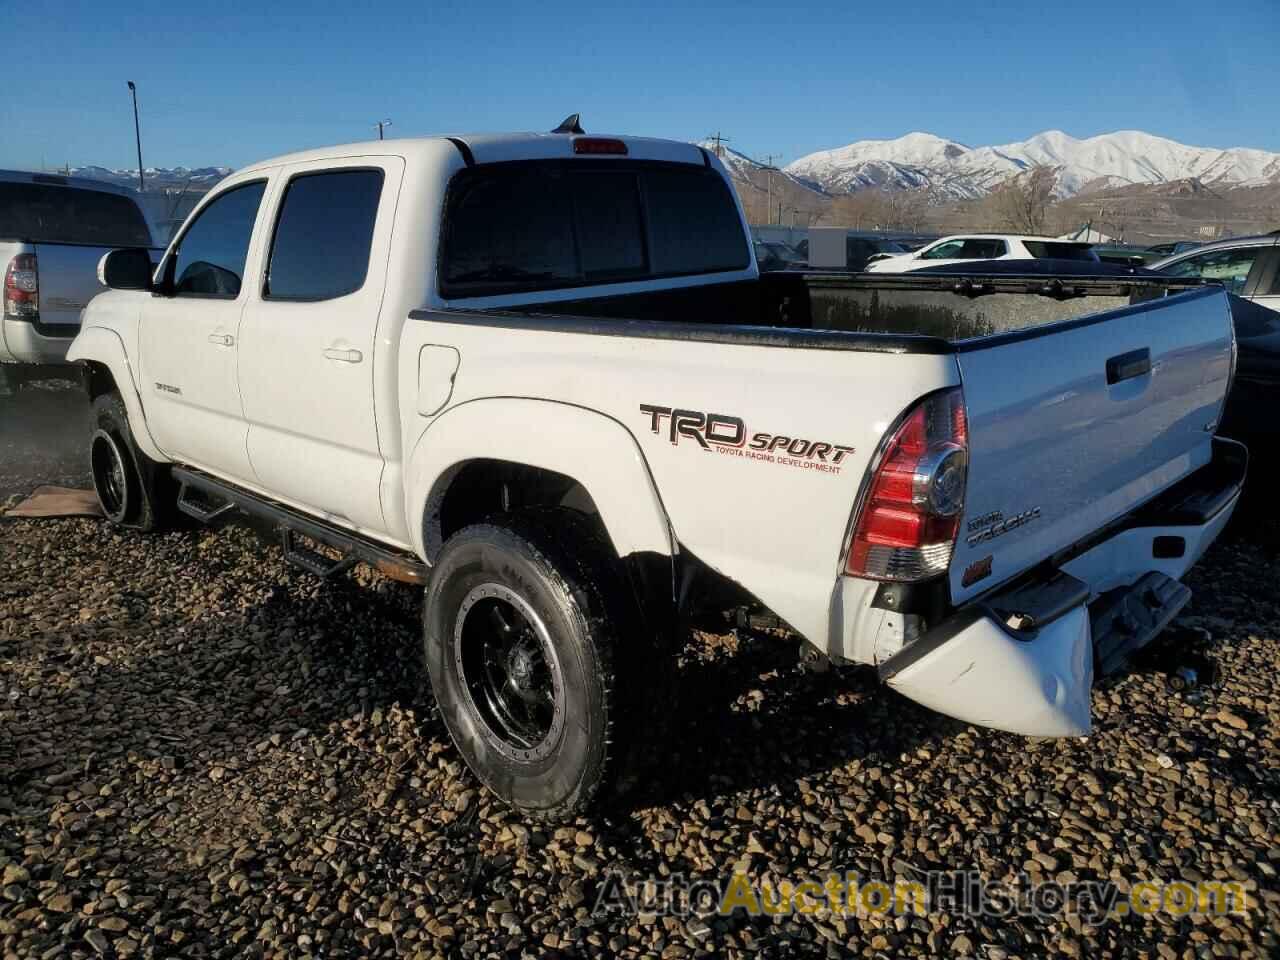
x=1177 y=246
x=1125 y=253
x=776 y=255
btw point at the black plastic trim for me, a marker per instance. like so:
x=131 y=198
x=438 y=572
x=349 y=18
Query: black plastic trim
x=468 y=157
x=698 y=332
x=950 y=628
x=1127 y=366
x=930 y=599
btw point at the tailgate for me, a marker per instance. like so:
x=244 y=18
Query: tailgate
x=68 y=275
x=1072 y=425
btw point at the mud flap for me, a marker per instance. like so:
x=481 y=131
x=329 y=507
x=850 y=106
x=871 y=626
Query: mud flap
x=978 y=671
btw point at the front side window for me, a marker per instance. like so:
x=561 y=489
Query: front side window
x=944 y=251
x=210 y=258
x=323 y=235
x=1229 y=267
x=545 y=225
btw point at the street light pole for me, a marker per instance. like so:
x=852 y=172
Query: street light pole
x=380 y=124
x=137 y=134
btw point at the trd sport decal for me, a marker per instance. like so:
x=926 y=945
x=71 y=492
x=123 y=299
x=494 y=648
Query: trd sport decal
x=729 y=436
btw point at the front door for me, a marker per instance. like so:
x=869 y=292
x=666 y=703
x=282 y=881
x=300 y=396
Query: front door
x=190 y=336
x=308 y=338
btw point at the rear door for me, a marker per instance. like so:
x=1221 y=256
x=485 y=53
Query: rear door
x=308 y=338
x=1072 y=425
x=190 y=335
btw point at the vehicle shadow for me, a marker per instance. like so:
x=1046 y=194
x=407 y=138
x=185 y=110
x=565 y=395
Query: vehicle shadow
x=751 y=717
x=43 y=437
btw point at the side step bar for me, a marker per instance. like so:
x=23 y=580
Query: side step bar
x=205 y=499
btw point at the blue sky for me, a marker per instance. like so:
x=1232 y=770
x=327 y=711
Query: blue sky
x=781 y=78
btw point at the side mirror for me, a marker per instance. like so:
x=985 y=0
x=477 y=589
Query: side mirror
x=129 y=269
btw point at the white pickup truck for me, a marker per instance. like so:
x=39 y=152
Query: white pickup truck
x=540 y=375
x=53 y=231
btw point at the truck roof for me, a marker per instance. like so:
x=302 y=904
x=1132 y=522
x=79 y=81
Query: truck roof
x=495 y=148
x=63 y=180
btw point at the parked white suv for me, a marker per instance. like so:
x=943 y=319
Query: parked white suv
x=531 y=373
x=983 y=246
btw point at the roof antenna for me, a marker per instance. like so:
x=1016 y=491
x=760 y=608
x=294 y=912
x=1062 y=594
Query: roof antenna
x=569 y=124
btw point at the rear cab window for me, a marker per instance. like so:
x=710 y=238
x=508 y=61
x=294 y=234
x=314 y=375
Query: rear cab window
x=551 y=224
x=51 y=213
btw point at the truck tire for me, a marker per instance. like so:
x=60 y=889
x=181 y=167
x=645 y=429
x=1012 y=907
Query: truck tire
x=131 y=487
x=522 y=632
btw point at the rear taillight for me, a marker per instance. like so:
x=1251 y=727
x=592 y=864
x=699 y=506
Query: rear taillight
x=907 y=523
x=22 y=288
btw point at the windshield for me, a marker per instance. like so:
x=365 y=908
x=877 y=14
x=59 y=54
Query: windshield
x=45 y=213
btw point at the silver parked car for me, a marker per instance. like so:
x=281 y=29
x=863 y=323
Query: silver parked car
x=1249 y=267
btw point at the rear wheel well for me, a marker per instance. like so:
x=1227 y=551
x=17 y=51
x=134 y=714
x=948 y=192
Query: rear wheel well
x=98 y=380
x=480 y=489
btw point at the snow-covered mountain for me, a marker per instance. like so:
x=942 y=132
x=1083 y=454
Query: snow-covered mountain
x=157 y=178
x=954 y=170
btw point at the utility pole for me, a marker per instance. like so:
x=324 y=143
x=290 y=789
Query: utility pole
x=137 y=134
x=380 y=124
x=719 y=141
x=769 y=158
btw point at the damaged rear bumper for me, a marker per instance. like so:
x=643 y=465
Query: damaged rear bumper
x=1024 y=658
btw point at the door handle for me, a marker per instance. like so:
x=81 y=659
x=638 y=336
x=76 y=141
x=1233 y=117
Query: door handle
x=344 y=356
x=1126 y=366
x=222 y=339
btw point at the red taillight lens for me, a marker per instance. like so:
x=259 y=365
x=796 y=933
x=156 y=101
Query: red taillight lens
x=22 y=287
x=600 y=146
x=906 y=527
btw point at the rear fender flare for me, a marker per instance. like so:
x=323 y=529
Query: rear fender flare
x=100 y=345
x=593 y=449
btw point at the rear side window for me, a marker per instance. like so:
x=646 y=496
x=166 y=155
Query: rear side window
x=1045 y=250
x=323 y=235
x=982 y=250
x=209 y=260
x=544 y=225
x=45 y=213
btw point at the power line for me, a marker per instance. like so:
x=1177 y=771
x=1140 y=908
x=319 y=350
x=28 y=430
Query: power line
x=719 y=141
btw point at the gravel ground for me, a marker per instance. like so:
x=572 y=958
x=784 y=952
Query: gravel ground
x=204 y=752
